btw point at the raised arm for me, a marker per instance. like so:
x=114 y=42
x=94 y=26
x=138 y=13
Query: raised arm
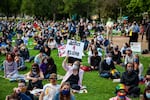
x=65 y=65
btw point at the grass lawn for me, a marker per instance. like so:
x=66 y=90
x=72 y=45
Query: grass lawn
x=98 y=88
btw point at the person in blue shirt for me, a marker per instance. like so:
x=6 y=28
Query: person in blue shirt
x=135 y=30
x=64 y=93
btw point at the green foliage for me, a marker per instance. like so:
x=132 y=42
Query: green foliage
x=81 y=8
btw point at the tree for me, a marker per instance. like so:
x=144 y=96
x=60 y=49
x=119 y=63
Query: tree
x=27 y=7
x=80 y=7
x=10 y=7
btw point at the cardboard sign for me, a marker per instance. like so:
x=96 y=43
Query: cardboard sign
x=62 y=50
x=74 y=49
x=136 y=47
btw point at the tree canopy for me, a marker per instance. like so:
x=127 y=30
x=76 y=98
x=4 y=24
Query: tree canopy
x=81 y=8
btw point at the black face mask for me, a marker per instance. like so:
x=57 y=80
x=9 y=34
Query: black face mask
x=34 y=70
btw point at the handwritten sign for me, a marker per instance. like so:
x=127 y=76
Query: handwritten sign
x=136 y=47
x=74 y=49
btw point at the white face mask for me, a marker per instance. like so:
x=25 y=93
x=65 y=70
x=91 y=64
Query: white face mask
x=147 y=83
x=108 y=60
x=148 y=95
x=45 y=61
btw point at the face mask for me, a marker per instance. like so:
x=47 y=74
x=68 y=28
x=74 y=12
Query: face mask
x=108 y=60
x=122 y=97
x=129 y=69
x=65 y=92
x=34 y=71
x=147 y=83
x=148 y=95
x=45 y=61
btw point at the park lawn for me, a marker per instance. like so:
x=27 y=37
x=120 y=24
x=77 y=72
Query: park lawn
x=98 y=88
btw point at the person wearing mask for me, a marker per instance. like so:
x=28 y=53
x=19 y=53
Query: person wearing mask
x=116 y=55
x=64 y=92
x=10 y=68
x=20 y=63
x=50 y=89
x=35 y=77
x=129 y=56
x=131 y=80
x=38 y=58
x=74 y=74
x=120 y=93
x=138 y=67
x=51 y=67
x=135 y=29
x=146 y=94
x=95 y=61
x=106 y=67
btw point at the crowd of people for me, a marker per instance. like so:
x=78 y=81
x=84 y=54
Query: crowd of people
x=49 y=35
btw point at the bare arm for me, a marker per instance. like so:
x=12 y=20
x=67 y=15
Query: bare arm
x=64 y=64
x=41 y=96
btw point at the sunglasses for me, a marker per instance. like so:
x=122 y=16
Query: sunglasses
x=53 y=78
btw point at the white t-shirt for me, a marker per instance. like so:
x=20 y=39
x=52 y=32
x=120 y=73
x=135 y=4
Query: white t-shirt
x=50 y=91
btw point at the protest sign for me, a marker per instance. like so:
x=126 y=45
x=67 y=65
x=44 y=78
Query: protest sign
x=136 y=47
x=61 y=51
x=74 y=49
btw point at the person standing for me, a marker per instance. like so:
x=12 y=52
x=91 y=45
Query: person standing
x=135 y=29
x=109 y=26
x=148 y=35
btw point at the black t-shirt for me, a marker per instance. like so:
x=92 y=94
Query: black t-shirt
x=58 y=39
x=73 y=79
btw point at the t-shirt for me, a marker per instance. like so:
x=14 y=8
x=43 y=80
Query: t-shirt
x=50 y=91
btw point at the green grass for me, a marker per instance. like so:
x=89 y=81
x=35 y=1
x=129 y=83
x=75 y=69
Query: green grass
x=98 y=88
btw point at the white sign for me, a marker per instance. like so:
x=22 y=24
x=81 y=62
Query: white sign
x=61 y=51
x=74 y=49
x=135 y=46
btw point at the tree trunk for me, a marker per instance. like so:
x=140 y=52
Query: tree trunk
x=54 y=16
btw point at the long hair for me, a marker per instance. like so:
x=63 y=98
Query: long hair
x=61 y=96
x=50 y=61
x=12 y=56
x=35 y=66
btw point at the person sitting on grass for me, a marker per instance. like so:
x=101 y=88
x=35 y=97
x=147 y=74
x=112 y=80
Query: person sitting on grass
x=50 y=89
x=116 y=55
x=10 y=68
x=38 y=58
x=95 y=61
x=129 y=56
x=120 y=93
x=146 y=94
x=64 y=93
x=74 y=74
x=131 y=80
x=107 y=68
x=48 y=67
x=20 y=62
x=138 y=67
x=35 y=77
x=20 y=93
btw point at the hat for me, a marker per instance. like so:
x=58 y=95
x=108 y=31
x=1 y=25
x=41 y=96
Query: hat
x=120 y=87
x=53 y=75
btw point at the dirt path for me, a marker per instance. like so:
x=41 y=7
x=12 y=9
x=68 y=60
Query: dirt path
x=120 y=40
